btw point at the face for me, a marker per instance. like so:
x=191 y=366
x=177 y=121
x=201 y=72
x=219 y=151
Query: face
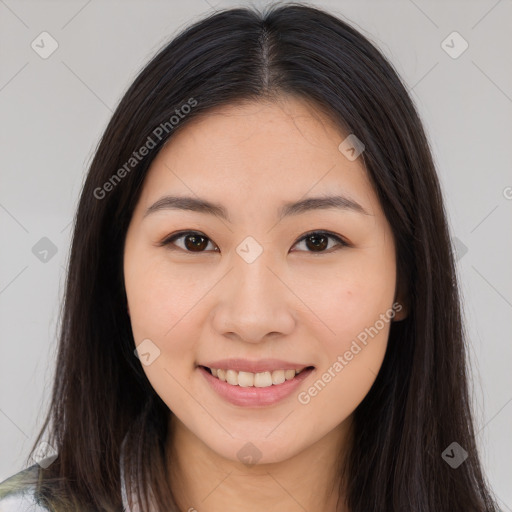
x=252 y=286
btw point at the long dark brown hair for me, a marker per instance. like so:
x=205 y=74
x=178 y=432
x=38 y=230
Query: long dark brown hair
x=419 y=403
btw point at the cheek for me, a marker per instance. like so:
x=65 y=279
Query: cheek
x=159 y=297
x=348 y=298
x=355 y=306
x=358 y=310
x=352 y=358
x=163 y=309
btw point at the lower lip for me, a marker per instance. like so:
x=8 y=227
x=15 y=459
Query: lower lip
x=253 y=396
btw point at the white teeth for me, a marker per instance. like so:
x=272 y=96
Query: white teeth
x=245 y=379
x=232 y=377
x=263 y=380
x=289 y=374
x=258 y=380
x=278 y=376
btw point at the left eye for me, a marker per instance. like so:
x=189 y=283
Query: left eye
x=194 y=242
x=318 y=241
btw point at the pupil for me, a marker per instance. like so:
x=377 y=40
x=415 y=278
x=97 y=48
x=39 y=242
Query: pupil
x=198 y=242
x=316 y=244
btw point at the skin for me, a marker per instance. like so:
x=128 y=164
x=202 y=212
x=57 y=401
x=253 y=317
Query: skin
x=291 y=303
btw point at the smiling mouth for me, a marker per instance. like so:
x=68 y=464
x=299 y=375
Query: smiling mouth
x=258 y=380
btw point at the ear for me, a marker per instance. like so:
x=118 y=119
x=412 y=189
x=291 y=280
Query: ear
x=400 y=309
x=401 y=302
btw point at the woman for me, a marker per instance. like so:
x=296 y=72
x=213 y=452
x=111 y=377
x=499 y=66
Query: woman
x=261 y=307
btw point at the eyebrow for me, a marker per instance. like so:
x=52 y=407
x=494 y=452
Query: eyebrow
x=288 y=209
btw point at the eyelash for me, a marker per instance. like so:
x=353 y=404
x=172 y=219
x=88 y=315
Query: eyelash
x=172 y=238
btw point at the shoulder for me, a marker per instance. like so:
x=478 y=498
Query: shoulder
x=17 y=493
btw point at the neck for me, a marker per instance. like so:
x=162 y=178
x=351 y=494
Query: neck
x=201 y=479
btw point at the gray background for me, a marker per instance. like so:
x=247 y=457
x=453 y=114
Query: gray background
x=54 y=110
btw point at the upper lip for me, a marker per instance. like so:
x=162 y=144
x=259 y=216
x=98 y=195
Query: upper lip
x=262 y=365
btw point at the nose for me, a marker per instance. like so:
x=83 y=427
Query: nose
x=255 y=302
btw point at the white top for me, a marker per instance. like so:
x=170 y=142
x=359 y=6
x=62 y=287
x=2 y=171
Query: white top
x=24 y=500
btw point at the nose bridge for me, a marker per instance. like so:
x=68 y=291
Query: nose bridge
x=254 y=283
x=256 y=301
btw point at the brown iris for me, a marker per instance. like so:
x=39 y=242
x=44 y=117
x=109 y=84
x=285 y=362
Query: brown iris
x=197 y=242
x=319 y=241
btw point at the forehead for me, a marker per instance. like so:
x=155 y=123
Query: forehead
x=260 y=150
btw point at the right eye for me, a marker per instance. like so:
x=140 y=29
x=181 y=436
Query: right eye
x=193 y=241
